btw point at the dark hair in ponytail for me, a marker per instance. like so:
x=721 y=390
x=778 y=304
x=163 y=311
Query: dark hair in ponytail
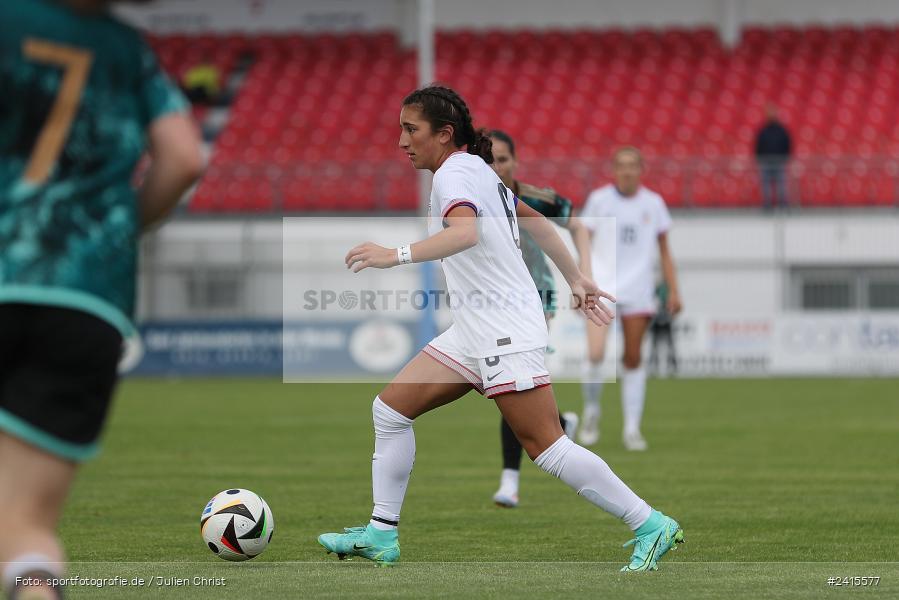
x=442 y=106
x=502 y=136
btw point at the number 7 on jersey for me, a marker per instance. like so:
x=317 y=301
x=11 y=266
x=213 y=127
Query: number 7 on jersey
x=77 y=64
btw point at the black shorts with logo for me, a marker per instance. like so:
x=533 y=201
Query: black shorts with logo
x=58 y=370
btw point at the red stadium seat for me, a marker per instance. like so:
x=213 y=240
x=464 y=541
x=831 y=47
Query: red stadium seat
x=886 y=188
x=321 y=104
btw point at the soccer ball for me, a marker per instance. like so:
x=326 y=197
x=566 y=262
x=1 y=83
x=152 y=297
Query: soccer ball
x=237 y=525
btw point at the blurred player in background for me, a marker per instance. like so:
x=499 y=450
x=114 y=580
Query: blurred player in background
x=558 y=210
x=639 y=231
x=82 y=98
x=497 y=348
x=662 y=330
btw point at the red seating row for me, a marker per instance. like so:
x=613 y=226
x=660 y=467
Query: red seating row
x=367 y=187
x=333 y=187
x=318 y=114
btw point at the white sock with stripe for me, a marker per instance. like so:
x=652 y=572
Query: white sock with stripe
x=26 y=565
x=591 y=478
x=391 y=464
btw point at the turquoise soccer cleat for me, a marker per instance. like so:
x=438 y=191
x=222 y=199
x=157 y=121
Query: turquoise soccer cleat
x=382 y=547
x=654 y=538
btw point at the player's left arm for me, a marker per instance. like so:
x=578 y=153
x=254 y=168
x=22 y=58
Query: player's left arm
x=582 y=242
x=582 y=287
x=670 y=274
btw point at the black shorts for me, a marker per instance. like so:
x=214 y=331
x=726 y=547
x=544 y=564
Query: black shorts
x=58 y=370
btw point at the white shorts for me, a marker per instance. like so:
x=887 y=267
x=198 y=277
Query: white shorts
x=633 y=301
x=494 y=375
x=644 y=308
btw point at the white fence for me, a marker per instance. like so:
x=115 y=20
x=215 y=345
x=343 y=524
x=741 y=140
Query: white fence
x=736 y=271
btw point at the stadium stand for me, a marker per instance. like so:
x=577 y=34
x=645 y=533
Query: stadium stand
x=314 y=124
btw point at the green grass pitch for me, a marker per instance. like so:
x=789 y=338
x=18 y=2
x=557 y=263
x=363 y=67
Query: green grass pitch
x=779 y=484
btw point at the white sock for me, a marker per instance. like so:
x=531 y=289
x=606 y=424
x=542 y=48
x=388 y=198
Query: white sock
x=633 y=397
x=591 y=477
x=28 y=563
x=591 y=388
x=391 y=463
x=508 y=482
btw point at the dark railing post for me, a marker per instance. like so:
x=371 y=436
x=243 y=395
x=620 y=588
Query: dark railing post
x=688 y=183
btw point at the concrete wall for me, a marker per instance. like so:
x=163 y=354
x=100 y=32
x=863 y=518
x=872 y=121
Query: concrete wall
x=731 y=262
x=262 y=15
x=343 y=15
x=576 y=13
x=735 y=272
x=652 y=13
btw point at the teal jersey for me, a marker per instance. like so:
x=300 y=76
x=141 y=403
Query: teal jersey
x=78 y=93
x=557 y=209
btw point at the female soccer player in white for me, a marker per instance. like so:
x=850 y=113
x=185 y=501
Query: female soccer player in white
x=496 y=342
x=627 y=222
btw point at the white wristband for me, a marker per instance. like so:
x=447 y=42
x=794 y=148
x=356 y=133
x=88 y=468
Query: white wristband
x=404 y=254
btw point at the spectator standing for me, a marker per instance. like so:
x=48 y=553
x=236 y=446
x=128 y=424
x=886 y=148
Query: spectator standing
x=772 y=151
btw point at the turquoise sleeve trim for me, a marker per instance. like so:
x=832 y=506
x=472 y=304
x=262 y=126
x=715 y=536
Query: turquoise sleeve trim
x=69 y=298
x=43 y=440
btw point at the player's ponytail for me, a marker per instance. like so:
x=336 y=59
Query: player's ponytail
x=442 y=106
x=482 y=146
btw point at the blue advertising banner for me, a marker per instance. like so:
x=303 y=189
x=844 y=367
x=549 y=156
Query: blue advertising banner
x=296 y=351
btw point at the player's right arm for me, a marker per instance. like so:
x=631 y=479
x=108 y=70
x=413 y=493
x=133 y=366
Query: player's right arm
x=456 y=200
x=456 y=197
x=175 y=164
x=460 y=233
x=173 y=141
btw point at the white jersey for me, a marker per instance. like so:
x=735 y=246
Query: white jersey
x=495 y=305
x=625 y=249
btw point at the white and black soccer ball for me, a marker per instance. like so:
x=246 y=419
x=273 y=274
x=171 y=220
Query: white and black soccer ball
x=237 y=525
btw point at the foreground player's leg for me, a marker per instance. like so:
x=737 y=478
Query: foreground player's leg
x=424 y=384
x=33 y=489
x=391 y=467
x=591 y=384
x=633 y=382
x=57 y=376
x=391 y=464
x=507 y=494
x=532 y=415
